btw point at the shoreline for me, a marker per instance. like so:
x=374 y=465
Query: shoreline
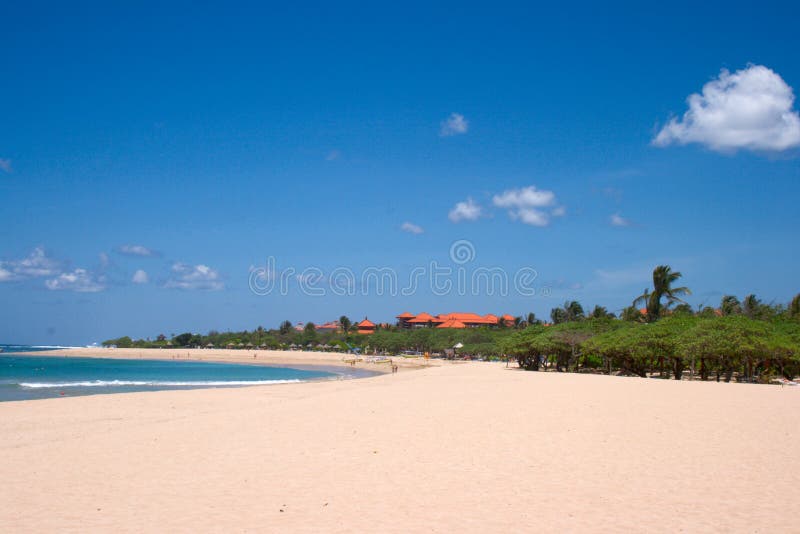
x=466 y=447
x=278 y=358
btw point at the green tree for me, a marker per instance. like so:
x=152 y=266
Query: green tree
x=345 y=323
x=285 y=328
x=794 y=307
x=601 y=312
x=663 y=278
x=730 y=305
x=632 y=314
x=558 y=315
x=752 y=307
x=182 y=340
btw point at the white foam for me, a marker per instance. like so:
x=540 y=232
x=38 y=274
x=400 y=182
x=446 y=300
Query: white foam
x=152 y=383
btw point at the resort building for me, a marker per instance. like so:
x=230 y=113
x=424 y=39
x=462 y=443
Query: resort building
x=452 y=320
x=330 y=326
x=366 y=327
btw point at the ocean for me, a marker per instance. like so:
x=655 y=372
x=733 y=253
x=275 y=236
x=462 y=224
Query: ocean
x=24 y=377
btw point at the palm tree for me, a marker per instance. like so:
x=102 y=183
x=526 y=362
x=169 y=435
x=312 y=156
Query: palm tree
x=345 y=323
x=574 y=310
x=286 y=327
x=751 y=306
x=601 y=312
x=518 y=322
x=531 y=319
x=794 y=307
x=663 y=278
x=730 y=305
x=558 y=315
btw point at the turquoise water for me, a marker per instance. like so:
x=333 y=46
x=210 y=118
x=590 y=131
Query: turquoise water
x=25 y=377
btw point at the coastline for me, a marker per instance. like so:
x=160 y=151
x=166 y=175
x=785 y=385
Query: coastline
x=282 y=358
x=465 y=447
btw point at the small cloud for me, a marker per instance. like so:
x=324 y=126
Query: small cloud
x=191 y=277
x=79 y=280
x=618 y=220
x=455 y=124
x=137 y=250
x=750 y=109
x=36 y=265
x=530 y=216
x=411 y=228
x=5 y=165
x=5 y=274
x=465 y=211
x=333 y=155
x=527 y=205
x=140 y=277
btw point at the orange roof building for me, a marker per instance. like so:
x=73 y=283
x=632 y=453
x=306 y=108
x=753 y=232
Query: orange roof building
x=451 y=320
x=366 y=327
x=451 y=323
x=330 y=326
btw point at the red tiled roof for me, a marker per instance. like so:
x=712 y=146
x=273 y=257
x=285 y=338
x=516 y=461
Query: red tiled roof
x=452 y=323
x=472 y=318
x=425 y=318
x=366 y=323
x=466 y=318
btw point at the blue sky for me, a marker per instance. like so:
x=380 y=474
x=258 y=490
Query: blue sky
x=194 y=142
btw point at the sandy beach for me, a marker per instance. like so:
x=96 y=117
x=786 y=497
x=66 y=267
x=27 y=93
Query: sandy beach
x=454 y=447
x=263 y=357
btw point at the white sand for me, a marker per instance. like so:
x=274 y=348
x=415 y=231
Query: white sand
x=460 y=447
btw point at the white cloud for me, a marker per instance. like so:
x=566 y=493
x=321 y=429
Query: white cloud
x=79 y=280
x=750 y=109
x=333 y=155
x=465 y=211
x=526 y=205
x=194 y=277
x=618 y=220
x=455 y=124
x=38 y=264
x=137 y=250
x=5 y=165
x=411 y=228
x=5 y=274
x=140 y=277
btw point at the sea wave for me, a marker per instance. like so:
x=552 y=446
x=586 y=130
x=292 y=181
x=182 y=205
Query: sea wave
x=153 y=383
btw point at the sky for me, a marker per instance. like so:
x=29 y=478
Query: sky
x=221 y=166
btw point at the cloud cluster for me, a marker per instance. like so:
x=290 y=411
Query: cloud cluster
x=455 y=124
x=137 y=250
x=36 y=265
x=749 y=109
x=184 y=276
x=5 y=165
x=79 y=280
x=467 y=210
x=529 y=205
x=140 y=277
x=411 y=228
